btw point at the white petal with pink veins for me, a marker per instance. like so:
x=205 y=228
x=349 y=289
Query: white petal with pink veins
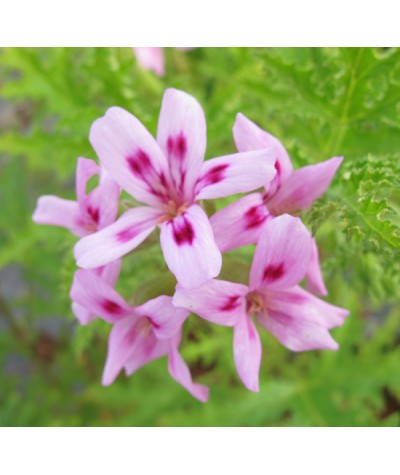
x=247 y=351
x=248 y=136
x=131 y=156
x=182 y=137
x=283 y=254
x=304 y=186
x=189 y=248
x=236 y=173
x=166 y=319
x=239 y=223
x=59 y=212
x=218 y=301
x=118 y=239
x=98 y=297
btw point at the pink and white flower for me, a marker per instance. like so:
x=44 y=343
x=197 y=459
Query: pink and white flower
x=90 y=213
x=139 y=334
x=295 y=317
x=169 y=176
x=290 y=191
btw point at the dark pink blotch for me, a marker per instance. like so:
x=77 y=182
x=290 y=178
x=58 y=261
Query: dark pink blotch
x=232 y=303
x=126 y=235
x=112 y=307
x=183 y=232
x=153 y=323
x=177 y=146
x=255 y=217
x=139 y=163
x=94 y=214
x=215 y=175
x=273 y=272
x=278 y=167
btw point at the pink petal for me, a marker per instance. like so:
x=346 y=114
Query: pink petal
x=302 y=305
x=110 y=272
x=98 y=297
x=297 y=334
x=315 y=281
x=131 y=344
x=304 y=186
x=151 y=59
x=118 y=239
x=240 y=223
x=85 y=169
x=103 y=202
x=247 y=351
x=147 y=348
x=189 y=248
x=83 y=315
x=237 y=173
x=182 y=137
x=181 y=373
x=218 y=301
x=283 y=254
x=248 y=136
x=58 y=212
x=131 y=156
x=166 y=319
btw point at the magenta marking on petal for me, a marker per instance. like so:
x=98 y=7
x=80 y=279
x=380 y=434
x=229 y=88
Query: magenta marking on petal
x=163 y=180
x=112 y=307
x=181 y=146
x=141 y=166
x=255 y=217
x=215 y=175
x=177 y=147
x=139 y=163
x=94 y=214
x=170 y=145
x=153 y=323
x=232 y=303
x=183 y=232
x=126 y=235
x=278 y=167
x=273 y=272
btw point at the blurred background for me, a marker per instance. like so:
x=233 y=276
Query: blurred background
x=319 y=103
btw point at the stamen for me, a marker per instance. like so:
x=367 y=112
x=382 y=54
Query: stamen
x=172 y=210
x=255 y=303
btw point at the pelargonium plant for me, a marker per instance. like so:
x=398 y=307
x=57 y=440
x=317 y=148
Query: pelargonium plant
x=169 y=176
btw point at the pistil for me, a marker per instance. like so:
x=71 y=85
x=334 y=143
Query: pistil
x=172 y=210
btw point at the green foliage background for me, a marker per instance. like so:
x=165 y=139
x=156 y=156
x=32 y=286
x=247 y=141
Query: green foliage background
x=320 y=103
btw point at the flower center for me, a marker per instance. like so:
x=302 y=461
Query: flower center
x=254 y=303
x=172 y=210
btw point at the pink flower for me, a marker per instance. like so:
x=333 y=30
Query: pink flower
x=295 y=317
x=90 y=213
x=153 y=59
x=240 y=223
x=169 y=176
x=139 y=334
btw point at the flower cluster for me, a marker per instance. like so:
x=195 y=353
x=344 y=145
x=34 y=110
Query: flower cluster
x=171 y=179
